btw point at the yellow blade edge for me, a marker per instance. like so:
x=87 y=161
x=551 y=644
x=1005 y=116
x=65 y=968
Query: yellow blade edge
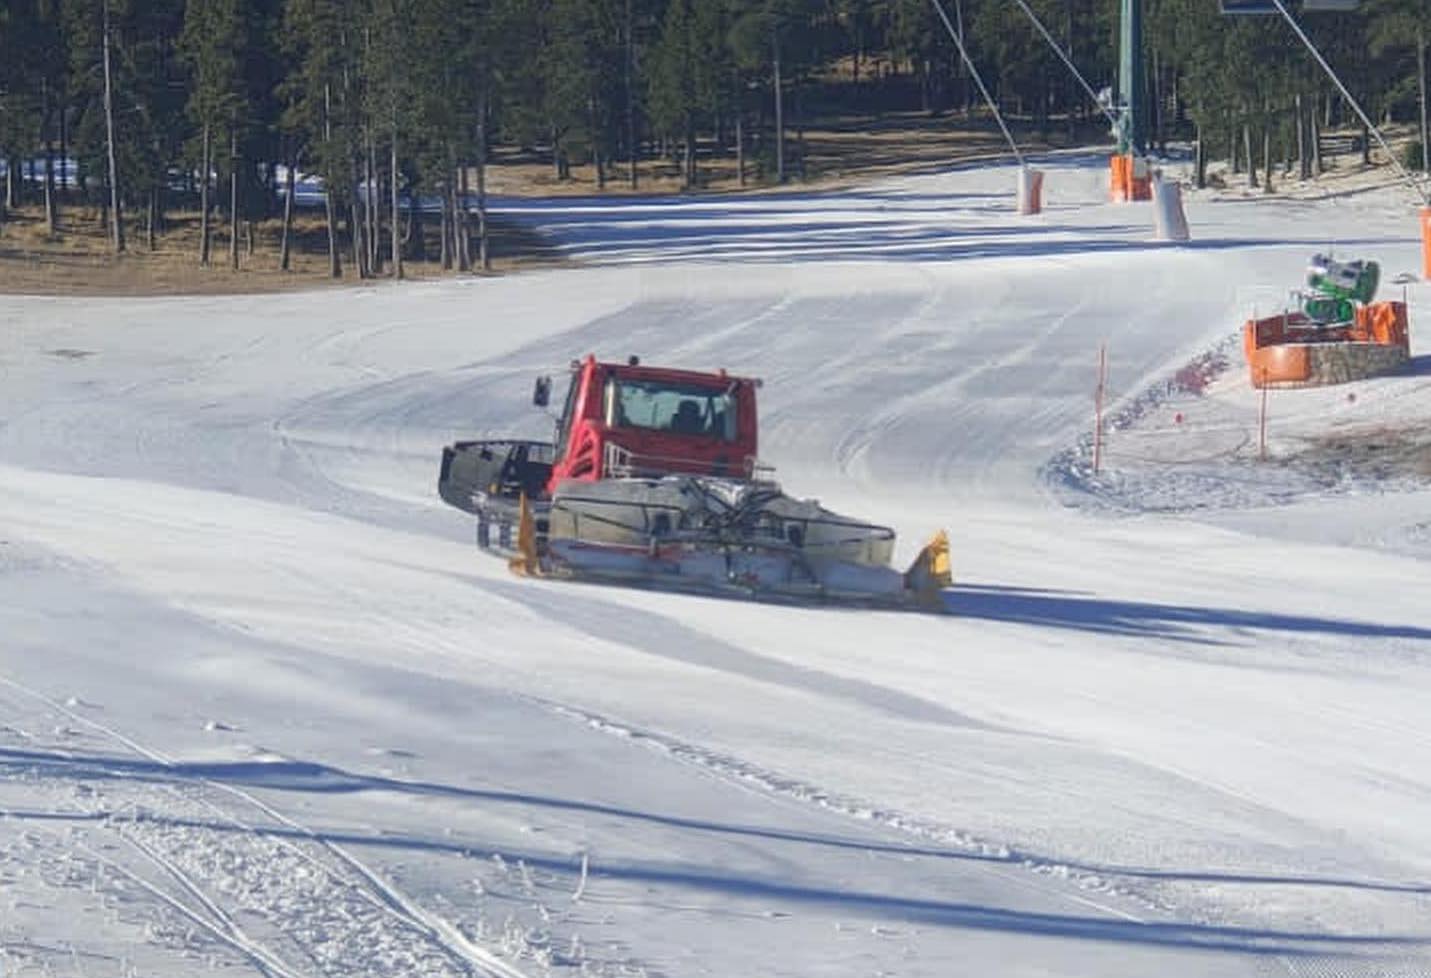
x=525 y=563
x=931 y=572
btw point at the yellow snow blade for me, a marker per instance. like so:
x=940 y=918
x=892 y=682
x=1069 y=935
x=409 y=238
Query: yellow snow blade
x=932 y=571
x=525 y=564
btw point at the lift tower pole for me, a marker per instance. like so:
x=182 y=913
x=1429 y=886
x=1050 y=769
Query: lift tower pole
x=1131 y=123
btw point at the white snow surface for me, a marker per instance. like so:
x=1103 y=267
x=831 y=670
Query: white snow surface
x=264 y=709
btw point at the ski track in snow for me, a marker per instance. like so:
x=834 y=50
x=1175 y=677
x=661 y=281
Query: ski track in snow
x=1071 y=775
x=338 y=911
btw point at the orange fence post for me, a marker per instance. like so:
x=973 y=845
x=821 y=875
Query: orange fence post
x=1262 y=421
x=1426 y=243
x=1140 y=181
x=1098 y=407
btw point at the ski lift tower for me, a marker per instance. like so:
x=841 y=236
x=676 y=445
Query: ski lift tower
x=1127 y=170
x=1130 y=79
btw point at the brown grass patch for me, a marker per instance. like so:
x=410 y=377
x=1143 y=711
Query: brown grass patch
x=843 y=151
x=1379 y=452
x=78 y=260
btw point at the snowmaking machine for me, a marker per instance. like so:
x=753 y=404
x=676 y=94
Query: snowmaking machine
x=1335 y=333
x=1337 y=288
x=653 y=479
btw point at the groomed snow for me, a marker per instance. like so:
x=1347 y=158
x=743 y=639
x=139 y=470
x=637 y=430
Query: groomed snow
x=265 y=710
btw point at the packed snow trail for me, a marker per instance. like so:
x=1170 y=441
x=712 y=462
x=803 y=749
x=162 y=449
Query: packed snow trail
x=1138 y=745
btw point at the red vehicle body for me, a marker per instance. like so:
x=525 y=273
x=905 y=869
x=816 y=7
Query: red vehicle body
x=653 y=478
x=636 y=420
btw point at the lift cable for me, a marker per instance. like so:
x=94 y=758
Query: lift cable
x=1366 y=121
x=974 y=72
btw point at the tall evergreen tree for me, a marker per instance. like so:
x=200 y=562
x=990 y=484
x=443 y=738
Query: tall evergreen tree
x=322 y=64
x=212 y=45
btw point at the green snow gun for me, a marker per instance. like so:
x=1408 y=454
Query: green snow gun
x=1338 y=287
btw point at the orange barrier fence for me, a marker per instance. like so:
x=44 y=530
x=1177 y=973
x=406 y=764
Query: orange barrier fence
x=1289 y=350
x=1426 y=243
x=1128 y=178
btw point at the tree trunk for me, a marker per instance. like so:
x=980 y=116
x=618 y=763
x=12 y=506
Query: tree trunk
x=206 y=168
x=416 y=232
x=484 y=254
x=445 y=232
x=1266 y=160
x=355 y=233
x=117 y=223
x=455 y=229
x=799 y=130
x=779 y=110
x=335 y=259
x=64 y=149
x=52 y=217
x=630 y=112
x=1155 y=81
x=153 y=228
x=375 y=203
x=1315 y=138
x=1304 y=159
x=370 y=202
x=393 y=177
x=1365 y=145
x=1247 y=154
x=355 y=222
x=1199 y=160
x=740 y=149
x=690 y=153
x=233 y=199
x=464 y=240
x=285 y=241
x=1421 y=89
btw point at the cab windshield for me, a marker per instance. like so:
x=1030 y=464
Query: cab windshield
x=683 y=409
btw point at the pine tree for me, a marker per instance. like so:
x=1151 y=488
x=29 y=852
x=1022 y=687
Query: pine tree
x=322 y=65
x=674 y=82
x=102 y=80
x=158 y=81
x=1404 y=26
x=212 y=44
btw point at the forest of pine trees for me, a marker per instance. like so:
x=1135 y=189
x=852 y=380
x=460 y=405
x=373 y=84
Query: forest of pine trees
x=212 y=105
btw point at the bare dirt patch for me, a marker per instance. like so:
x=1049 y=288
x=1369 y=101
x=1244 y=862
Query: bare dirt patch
x=78 y=260
x=841 y=151
x=1379 y=452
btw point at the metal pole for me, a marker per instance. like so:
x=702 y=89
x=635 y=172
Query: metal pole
x=974 y=73
x=116 y=220
x=1356 y=107
x=1098 y=408
x=1068 y=63
x=1130 y=77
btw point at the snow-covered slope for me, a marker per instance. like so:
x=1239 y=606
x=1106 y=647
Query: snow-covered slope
x=264 y=708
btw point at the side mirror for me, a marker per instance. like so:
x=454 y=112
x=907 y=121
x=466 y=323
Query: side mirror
x=542 y=392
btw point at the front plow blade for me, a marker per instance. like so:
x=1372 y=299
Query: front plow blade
x=931 y=572
x=750 y=572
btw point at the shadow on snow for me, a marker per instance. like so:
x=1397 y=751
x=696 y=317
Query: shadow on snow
x=1147 y=619
x=305 y=776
